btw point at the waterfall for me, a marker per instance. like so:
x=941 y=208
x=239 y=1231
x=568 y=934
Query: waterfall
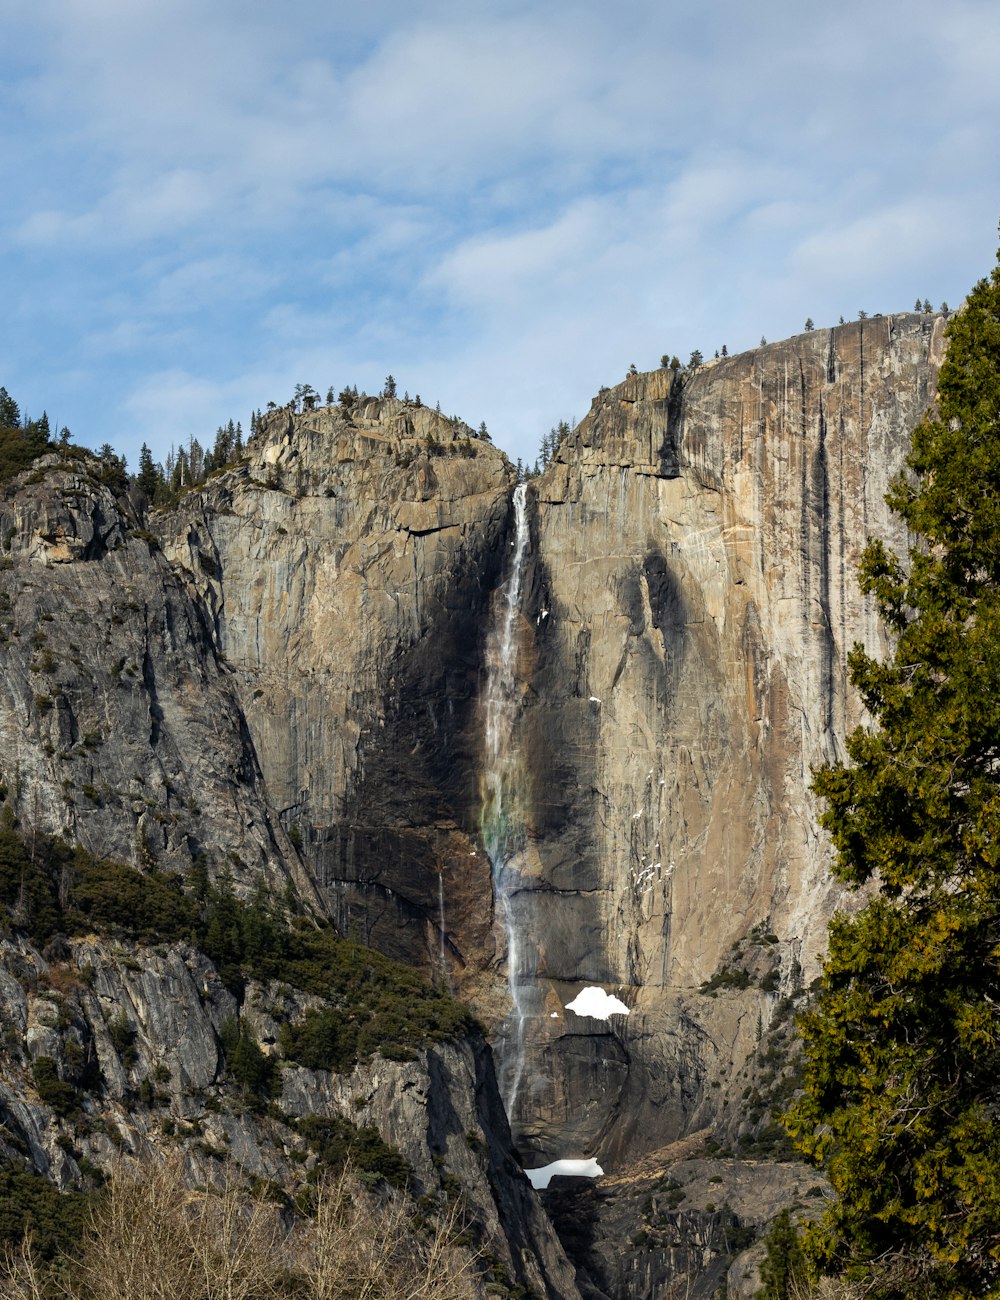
x=442 y=933
x=502 y=826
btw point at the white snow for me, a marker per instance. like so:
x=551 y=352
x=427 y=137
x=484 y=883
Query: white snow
x=553 y=1015
x=594 y=700
x=582 y=1168
x=597 y=1004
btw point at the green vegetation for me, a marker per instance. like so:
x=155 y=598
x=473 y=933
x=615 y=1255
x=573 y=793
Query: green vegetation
x=339 y=1143
x=377 y=1005
x=21 y=440
x=732 y=972
x=783 y=1268
x=245 y=1062
x=55 y=1092
x=548 y=448
x=30 y=1203
x=903 y=1047
x=726 y=977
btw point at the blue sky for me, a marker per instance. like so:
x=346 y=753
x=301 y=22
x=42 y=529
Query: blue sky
x=503 y=204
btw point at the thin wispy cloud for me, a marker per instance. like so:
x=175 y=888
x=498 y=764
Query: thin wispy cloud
x=504 y=205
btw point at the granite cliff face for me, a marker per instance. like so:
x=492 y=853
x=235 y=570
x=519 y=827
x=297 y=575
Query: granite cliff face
x=120 y=724
x=348 y=564
x=691 y=602
x=123 y=728
x=286 y=676
x=688 y=604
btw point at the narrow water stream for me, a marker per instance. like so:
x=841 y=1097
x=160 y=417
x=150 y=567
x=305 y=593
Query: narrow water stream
x=503 y=784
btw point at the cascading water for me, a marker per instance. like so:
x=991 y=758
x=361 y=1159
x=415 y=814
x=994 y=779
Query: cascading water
x=442 y=934
x=502 y=825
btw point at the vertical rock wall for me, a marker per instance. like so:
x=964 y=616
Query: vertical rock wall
x=689 y=606
x=119 y=723
x=691 y=610
x=349 y=562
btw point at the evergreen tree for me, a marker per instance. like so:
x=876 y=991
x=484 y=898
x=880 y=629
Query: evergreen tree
x=389 y=388
x=10 y=412
x=148 y=477
x=783 y=1268
x=902 y=1081
x=113 y=471
x=181 y=473
x=196 y=461
x=225 y=445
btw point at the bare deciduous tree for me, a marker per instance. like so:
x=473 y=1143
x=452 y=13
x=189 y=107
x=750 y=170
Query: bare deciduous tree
x=151 y=1238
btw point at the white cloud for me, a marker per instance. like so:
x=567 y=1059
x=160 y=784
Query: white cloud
x=505 y=206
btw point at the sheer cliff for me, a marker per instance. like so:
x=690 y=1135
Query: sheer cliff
x=692 y=602
x=131 y=1025
x=348 y=564
x=683 y=624
x=283 y=681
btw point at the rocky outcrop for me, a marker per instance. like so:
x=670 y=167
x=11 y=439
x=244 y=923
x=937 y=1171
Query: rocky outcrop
x=120 y=724
x=684 y=1224
x=123 y=727
x=130 y=1042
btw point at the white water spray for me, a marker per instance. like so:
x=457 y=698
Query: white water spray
x=503 y=830
x=442 y=933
